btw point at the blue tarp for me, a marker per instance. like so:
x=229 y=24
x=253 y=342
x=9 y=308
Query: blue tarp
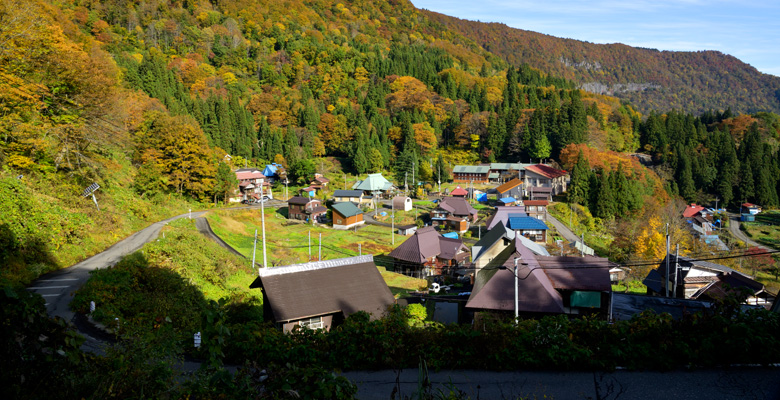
x=507 y=200
x=451 y=235
x=482 y=197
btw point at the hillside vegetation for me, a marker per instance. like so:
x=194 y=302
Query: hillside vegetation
x=694 y=82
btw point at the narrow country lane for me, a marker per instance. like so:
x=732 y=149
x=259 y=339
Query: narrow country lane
x=739 y=234
x=58 y=288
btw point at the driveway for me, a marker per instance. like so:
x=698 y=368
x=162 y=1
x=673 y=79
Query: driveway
x=563 y=230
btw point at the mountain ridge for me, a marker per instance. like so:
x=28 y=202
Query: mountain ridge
x=693 y=81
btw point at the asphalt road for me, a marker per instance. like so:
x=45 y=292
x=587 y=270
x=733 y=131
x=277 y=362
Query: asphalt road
x=739 y=234
x=563 y=230
x=759 y=383
x=58 y=288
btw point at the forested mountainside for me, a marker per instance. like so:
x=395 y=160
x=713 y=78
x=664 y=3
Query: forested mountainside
x=650 y=79
x=149 y=98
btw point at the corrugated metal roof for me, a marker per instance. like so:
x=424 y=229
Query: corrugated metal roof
x=347 y=193
x=546 y=171
x=457 y=206
x=373 y=182
x=526 y=223
x=347 y=209
x=471 y=169
x=509 y=185
x=318 y=288
x=299 y=200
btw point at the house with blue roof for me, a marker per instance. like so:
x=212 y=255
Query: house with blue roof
x=528 y=227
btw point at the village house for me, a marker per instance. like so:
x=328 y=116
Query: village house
x=459 y=192
x=407 y=230
x=536 y=208
x=306 y=209
x=750 y=208
x=429 y=253
x=512 y=188
x=354 y=196
x=504 y=172
x=549 y=285
x=543 y=176
x=529 y=227
x=321 y=294
x=689 y=278
x=274 y=172
x=471 y=173
x=319 y=182
x=346 y=215
x=250 y=181
x=374 y=185
x=455 y=213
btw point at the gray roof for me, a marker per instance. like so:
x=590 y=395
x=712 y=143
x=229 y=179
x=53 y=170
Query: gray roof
x=347 y=193
x=373 y=182
x=347 y=209
x=471 y=169
x=299 y=200
x=491 y=237
x=344 y=285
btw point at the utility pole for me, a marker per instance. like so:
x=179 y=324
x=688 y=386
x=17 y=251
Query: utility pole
x=319 y=257
x=666 y=284
x=392 y=222
x=309 y=244
x=360 y=250
x=262 y=219
x=439 y=179
x=406 y=184
x=517 y=282
x=676 y=270
x=254 y=249
x=345 y=181
x=582 y=248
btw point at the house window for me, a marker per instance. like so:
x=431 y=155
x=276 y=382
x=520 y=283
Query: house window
x=312 y=323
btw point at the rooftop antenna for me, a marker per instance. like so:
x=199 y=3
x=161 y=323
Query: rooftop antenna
x=90 y=190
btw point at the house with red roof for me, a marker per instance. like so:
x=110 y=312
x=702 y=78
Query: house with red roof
x=543 y=177
x=250 y=181
x=459 y=192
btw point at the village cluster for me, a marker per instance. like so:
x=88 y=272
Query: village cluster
x=506 y=270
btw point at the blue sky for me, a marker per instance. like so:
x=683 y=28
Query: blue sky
x=748 y=30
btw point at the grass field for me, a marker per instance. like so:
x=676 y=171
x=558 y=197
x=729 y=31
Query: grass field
x=766 y=229
x=287 y=242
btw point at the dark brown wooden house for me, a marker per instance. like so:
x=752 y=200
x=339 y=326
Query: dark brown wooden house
x=319 y=295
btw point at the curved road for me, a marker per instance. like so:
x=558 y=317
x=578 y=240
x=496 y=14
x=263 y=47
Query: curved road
x=739 y=234
x=58 y=288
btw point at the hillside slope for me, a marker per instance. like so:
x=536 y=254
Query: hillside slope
x=651 y=79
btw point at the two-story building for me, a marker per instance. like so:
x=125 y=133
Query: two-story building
x=471 y=173
x=250 y=181
x=306 y=209
x=429 y=253
x=455 y=213
x=544 y=177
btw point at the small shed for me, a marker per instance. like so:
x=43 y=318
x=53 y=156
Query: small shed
x=346 y=215
x=748 y=218
x=407 y=230
x=508 y=201
x=402 y=203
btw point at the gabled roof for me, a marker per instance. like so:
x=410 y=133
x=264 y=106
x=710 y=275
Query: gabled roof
x=459 y=191
x=347 y=209
x=656 y=277
x=457 y=206
x=300 y=200
x=526 y=223
x=423 y=245
x=509 y=185
x=344 y=285
x=502 y=215
x=692 y=210
x=493 y=235
x=347 y=193
x=541 y=276
x=546 y=171
x=508 y=166
x=253 y=174
x=373 y=182
x=507 y=200
x=536 y=203
x=450 y=248
x=471 y=169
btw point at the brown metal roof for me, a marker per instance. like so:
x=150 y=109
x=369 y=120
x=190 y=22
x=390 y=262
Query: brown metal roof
x=299 y=200
x=307 y=290
x=457 y=206
x=546 y=171
x=423 y=245
x=578 y=273
x=535 y=202
x=450 y=247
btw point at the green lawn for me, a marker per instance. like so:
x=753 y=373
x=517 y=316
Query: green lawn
x=766 y=229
